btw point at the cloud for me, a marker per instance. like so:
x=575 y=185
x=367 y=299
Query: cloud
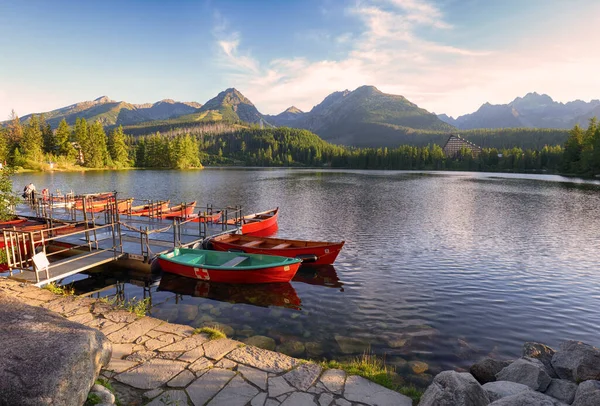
x=388 y=50
x=229 y=55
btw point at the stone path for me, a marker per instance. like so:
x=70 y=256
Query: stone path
x=158 y=363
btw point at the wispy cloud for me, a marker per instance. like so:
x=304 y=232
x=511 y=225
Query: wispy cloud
x=388 y=51
x=228 y=42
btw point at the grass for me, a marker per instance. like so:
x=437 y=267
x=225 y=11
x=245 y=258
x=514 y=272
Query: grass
x=374 y=369
x=92 y=399
x=213 y=333
x=60 y=290
x=139 y=307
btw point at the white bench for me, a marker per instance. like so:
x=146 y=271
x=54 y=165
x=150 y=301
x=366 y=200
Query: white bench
x=251 y=244
x=233 y=262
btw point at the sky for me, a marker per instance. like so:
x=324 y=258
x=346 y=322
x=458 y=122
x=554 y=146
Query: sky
x=447 y=56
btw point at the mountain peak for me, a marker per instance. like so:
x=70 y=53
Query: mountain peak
x=367 y=89
x=293 y=110
x=170 y=101
x=103 y=99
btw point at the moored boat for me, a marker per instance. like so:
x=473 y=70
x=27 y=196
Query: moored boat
x=310 y=252
x=148 y=209
x=182 y=210
x=261 y=224
x=228 y=267
x=204 y=217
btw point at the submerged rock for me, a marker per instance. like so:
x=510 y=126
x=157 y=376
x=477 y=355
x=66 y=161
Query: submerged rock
x=418 y=367
x=485 y=370
x=292 y=348
x=266 y=343
x=46 y=359
x=314 y=349
x=352 y=345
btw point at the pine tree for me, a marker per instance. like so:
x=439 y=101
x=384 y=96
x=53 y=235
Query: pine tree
x=15 y=130
x=95 y=150
x=47 y=136
x=117 y=147
x=32 y=142
x=62 y=141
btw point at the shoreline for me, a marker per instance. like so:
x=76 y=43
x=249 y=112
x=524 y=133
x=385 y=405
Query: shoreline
x=153 y=360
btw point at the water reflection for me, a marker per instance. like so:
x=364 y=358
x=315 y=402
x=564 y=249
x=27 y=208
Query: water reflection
x=263 y=295
x=324 y=275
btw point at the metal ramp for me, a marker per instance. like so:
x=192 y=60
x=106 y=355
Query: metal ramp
x=61 y=269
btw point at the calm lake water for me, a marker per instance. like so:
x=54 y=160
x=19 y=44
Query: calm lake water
x=438 y=267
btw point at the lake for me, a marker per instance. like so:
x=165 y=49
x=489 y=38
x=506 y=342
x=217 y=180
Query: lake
x=439 y=267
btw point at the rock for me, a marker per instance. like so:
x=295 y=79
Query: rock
x=225 y=364
x=587 y=394
x=151 y=394
x=528 y=371
x=151 y=374
x=208 y=385
x=562 y=390
x=501 y=389
x=325 y=399
x=418 y=367
x=528 y=398
x=278 y=386
x=352 y=345
x=397 y=341
x=485 y=370
x=217 y=349
x=103 y=393
x=541 y=352
x=262 y=359
x=182 y=380
x=300 y=399
x=359 y=389
x=170 y=397
x=292 y=348
x=131 y=332
x=450 y=388
x=46 y=359
x=334 y=379
x=256 y=376
x=187 y=312
x=237 y=393
x=577 y=361
x=303 y=376
x=263 y=342
x=314 y=349
x=259 y=400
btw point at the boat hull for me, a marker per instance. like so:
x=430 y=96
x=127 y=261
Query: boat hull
x=222 y=267
x=324 y=254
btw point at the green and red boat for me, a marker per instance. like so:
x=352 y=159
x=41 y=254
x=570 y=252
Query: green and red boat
x=228 y=267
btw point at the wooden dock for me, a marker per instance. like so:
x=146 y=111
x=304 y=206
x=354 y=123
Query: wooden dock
x=90 y=239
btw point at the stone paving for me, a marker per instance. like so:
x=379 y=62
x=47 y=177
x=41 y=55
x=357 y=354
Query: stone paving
x=159 y=363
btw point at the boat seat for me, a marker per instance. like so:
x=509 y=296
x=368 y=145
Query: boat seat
x=282 y=245
x=254 y=243
x=233 y=262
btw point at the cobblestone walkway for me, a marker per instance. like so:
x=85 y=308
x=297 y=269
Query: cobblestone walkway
x=158 y=363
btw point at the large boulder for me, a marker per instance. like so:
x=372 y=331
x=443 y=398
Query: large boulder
x=528 y=371
x=543 y=353
x=451 y=388
x=528 y=398
x=46 y=359
x=485 y=370
x=577 y=361
x=562 y=390
x=588 y=394
x=501 y=389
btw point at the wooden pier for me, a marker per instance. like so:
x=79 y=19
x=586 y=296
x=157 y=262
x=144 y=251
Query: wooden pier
x=80 y=234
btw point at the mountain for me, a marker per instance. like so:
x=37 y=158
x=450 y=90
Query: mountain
x=287 y=118
x=530 y=111
x=367 y=117
x=110 y=112
x=232 y=106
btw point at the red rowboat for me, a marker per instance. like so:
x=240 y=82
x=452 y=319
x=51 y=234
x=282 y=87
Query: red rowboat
x=182 y=210
x=228 y=267
x=204 y=217
x=260 y=224
x=310 y=252
x=147 y=209
x=96 y=206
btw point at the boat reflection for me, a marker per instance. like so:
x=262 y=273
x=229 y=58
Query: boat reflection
x=263 y=295
x=324 y=275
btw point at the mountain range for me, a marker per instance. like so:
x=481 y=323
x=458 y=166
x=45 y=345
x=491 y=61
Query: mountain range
x=365 y=117
x=531 y=111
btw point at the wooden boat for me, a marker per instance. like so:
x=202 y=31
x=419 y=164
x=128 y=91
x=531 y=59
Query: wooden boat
x=147 y=209
x=228 y=267
x=310 y=252
x=204 y=217
x=96 y=206
x=261 y=224
x=261 y=295
x=183 y=210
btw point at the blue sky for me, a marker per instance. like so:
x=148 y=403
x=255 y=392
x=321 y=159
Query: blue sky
x=445 y=55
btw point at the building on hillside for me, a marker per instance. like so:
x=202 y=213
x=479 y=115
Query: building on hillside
x=455 y=143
